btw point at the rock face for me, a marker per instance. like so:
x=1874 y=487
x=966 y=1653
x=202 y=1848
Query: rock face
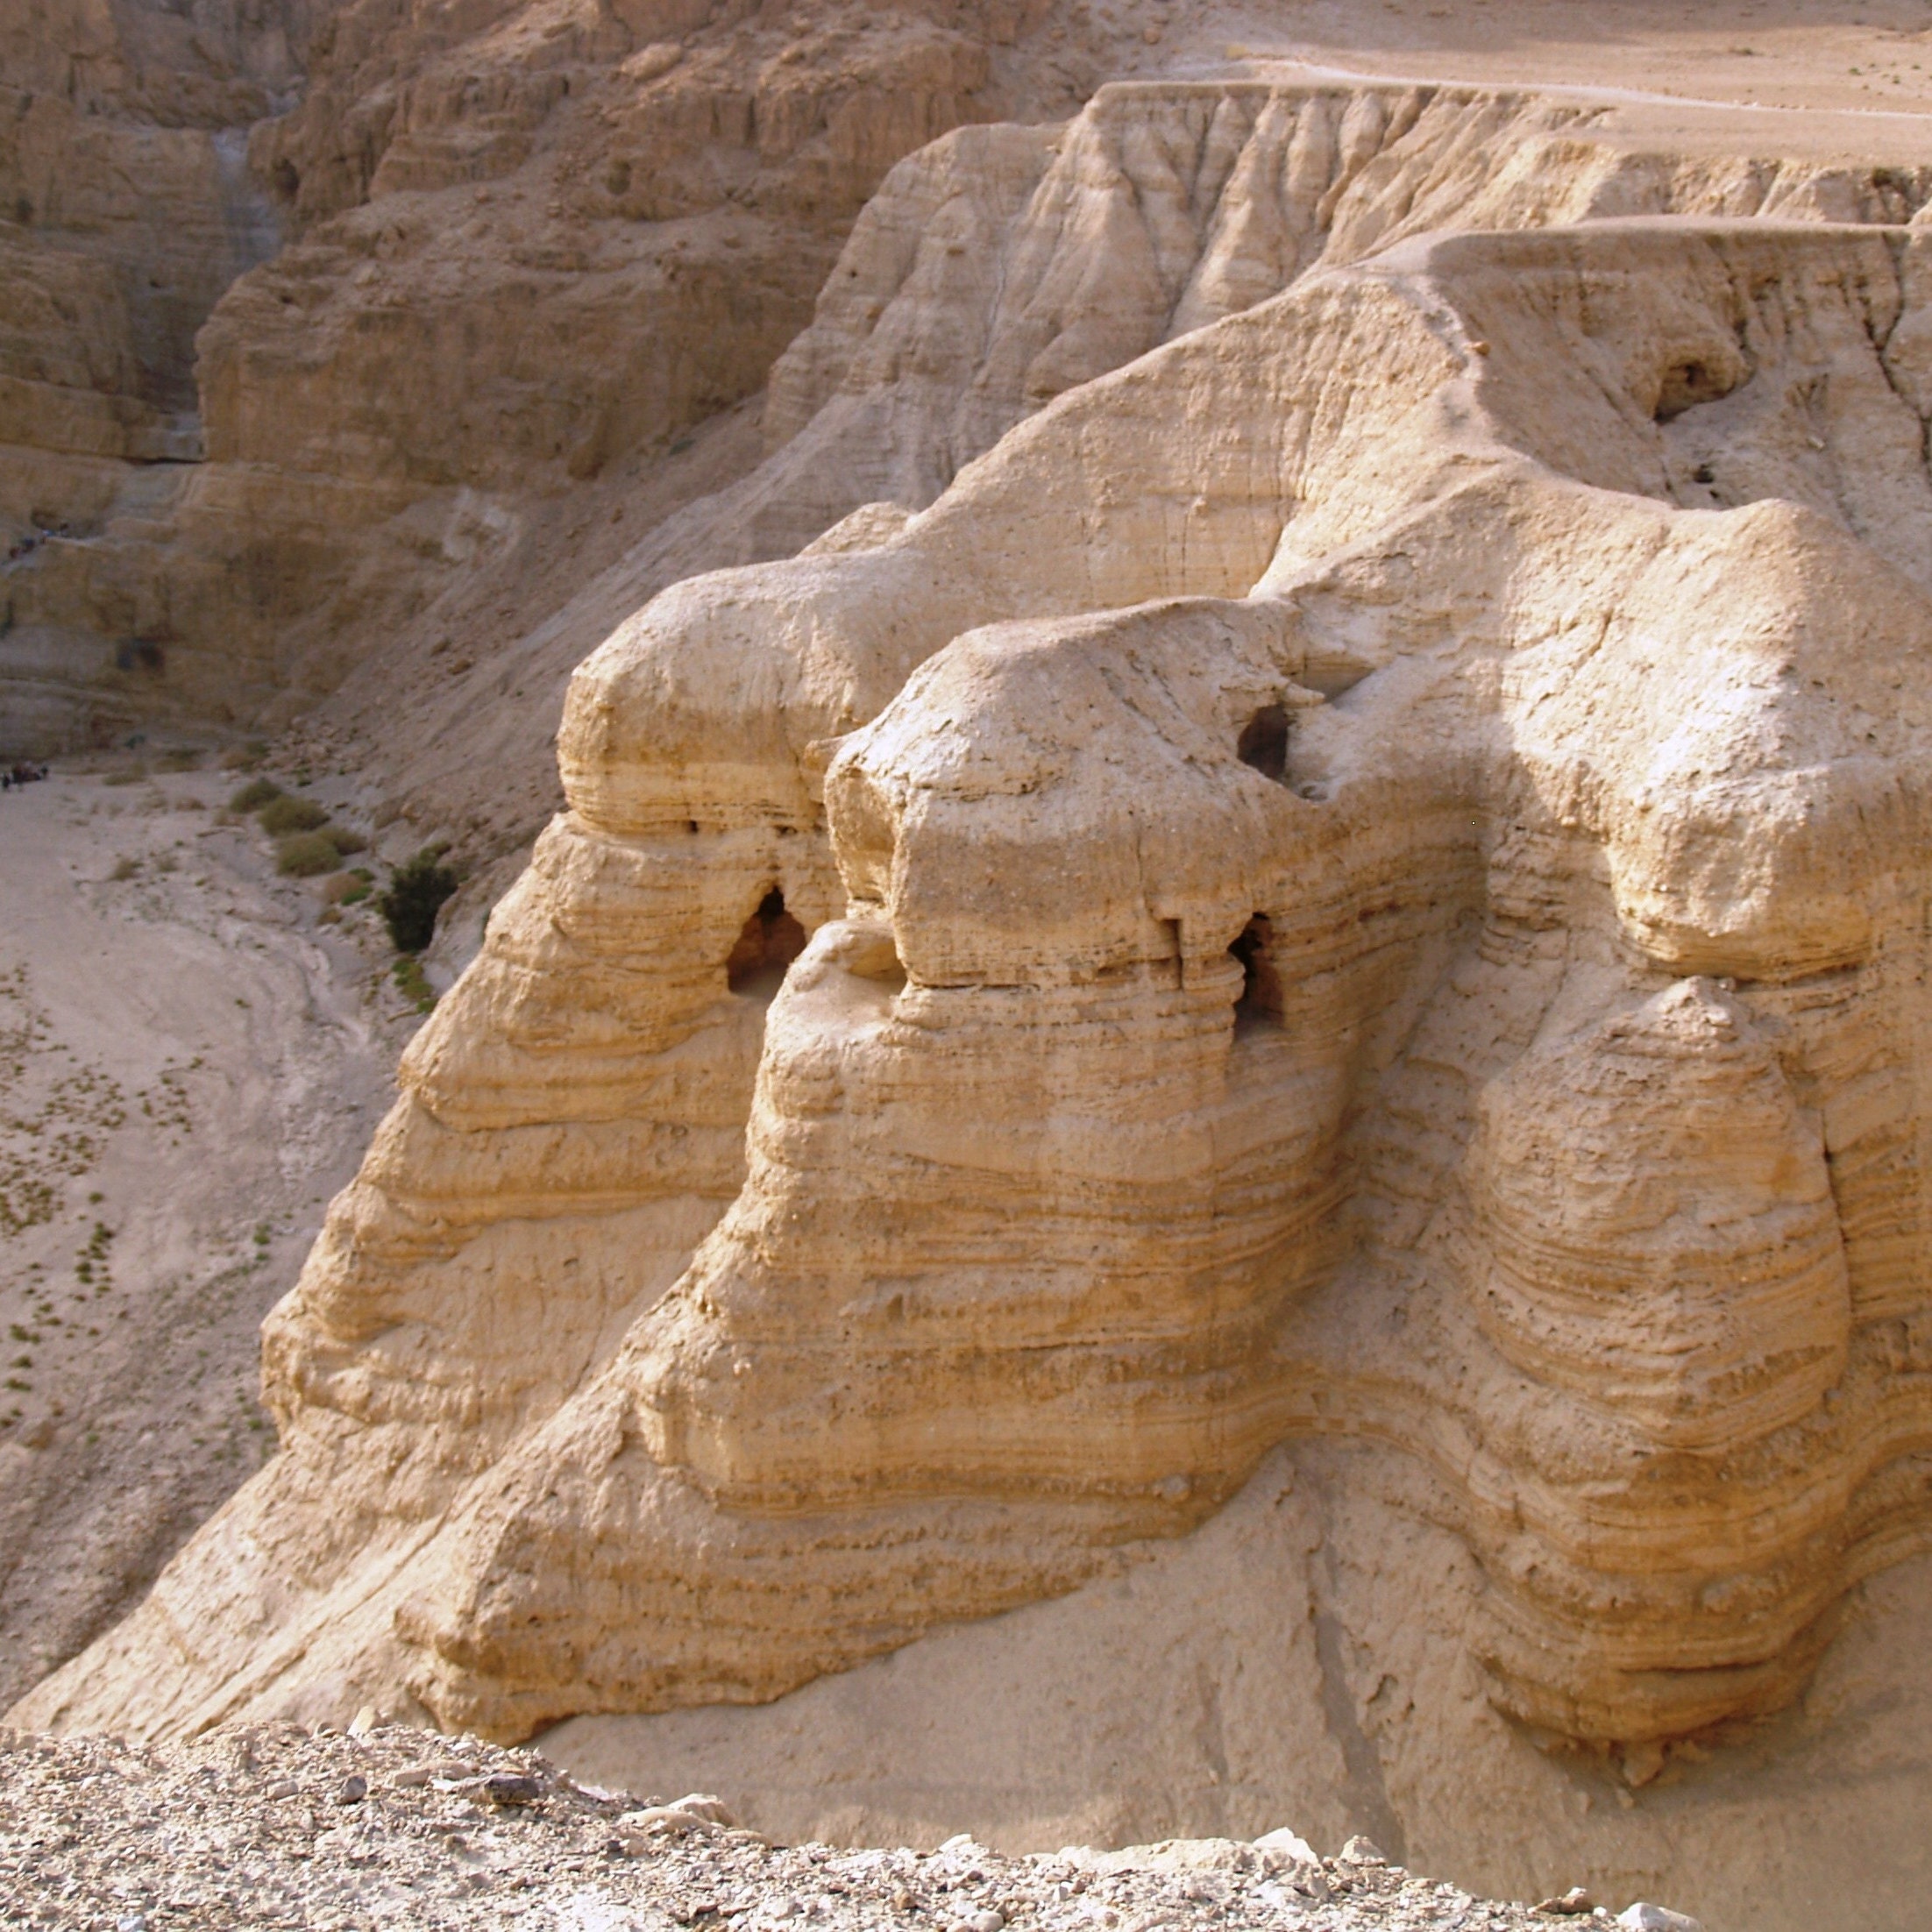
x=126 y=209
x=518 y=243
x=1354 y=874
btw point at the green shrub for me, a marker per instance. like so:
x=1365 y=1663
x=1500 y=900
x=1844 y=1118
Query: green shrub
x=413 y=983
x=302 y=854
x=255 y=794
x=413 y=898
x=347 y=842
x=285 y=814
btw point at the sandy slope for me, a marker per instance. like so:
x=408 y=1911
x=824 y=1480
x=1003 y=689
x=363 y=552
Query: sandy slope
x=1777 y=54
x=190 y=1063
x=1303 y=1656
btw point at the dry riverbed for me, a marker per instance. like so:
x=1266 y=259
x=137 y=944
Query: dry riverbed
x=191 y=1063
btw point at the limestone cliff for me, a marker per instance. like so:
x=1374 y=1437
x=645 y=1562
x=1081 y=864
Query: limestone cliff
x=1355 y=874
x=502 y=250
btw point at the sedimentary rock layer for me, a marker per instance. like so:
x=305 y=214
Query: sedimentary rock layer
x=1360 y=873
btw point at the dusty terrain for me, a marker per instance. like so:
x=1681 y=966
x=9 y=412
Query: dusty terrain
x=272 y=1826
x=1214 y=1086
x=188 y=1066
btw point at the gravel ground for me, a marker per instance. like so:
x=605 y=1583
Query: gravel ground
x=272 y=1826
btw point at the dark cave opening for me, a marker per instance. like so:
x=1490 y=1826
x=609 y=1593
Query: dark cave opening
x=770 y=941
x=1263 y=743
x=1260 y=995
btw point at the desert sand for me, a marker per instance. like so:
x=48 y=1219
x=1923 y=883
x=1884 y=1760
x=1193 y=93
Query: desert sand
x=191 y=1065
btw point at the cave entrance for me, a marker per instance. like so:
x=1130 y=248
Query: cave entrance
x=1263 y=743
x=770 y=941
x=1261 y=994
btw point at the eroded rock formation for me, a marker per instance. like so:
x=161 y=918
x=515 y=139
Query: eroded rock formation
x=1362 y=875
x=495 y=251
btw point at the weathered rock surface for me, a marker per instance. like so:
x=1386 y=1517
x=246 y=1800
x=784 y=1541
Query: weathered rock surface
x=518 y=244
x=1377 y=903
x=1327 y=847
x=126 y=209
x=993 y=269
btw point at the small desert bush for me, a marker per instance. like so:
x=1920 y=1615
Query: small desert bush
x=125 y=869
x=181 y=757
x=243 y=757
x=131 y=774
x=304 y=855
x=255 y=794
x=284 y=814
x=413 y=898
x=348 y=842
x=412 y=983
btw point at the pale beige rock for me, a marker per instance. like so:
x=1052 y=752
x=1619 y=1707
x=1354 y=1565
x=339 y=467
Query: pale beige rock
x=1361 y=879
x=1359 y=915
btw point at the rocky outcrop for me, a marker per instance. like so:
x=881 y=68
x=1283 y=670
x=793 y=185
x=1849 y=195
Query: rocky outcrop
x=1355 y=876
x=523 y=242
x=126 y=209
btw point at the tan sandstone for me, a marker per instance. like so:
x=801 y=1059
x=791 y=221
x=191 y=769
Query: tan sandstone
x=1315 y=856
x=1286 y=956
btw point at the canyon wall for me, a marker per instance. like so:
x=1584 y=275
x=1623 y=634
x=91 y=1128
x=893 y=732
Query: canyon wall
x=495 y=251
x=1354 y=876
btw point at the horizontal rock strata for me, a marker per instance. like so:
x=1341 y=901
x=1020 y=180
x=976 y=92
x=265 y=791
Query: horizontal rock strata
x=1357 y=873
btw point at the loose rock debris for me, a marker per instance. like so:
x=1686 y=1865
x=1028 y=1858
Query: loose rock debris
x=273 y=1826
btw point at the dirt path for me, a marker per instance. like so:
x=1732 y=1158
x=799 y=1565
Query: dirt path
x=189 y=1065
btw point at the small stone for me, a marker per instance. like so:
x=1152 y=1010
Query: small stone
x=365 y=1720
x=1362 y=1850
x=1575 y=1900
x=1641 y=1917
x=355 y=1788
x=282 y=1787
x=133 y=1923
x=902 y=1899
x=1283 y=1847
x=512 y=1787
x=697 y=1811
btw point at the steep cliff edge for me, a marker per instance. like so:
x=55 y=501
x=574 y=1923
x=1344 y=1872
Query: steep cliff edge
x=512 y=247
